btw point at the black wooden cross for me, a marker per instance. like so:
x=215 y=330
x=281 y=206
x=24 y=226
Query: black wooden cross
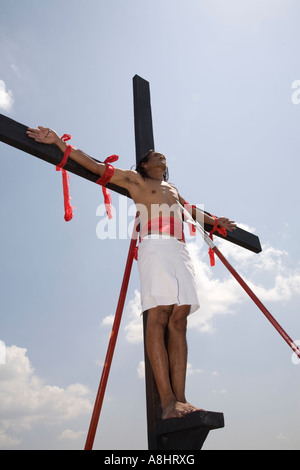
x=173 y=434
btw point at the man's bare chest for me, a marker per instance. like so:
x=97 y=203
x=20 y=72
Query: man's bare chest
x=156 y=192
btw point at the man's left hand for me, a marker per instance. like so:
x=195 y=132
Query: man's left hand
x=229 y=225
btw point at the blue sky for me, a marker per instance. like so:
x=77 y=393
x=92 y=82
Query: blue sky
x=225 y=101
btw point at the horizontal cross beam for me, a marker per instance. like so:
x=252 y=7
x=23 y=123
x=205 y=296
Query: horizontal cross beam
x=14 y=134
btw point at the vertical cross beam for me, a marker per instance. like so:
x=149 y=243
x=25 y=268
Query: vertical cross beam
x=144 y=141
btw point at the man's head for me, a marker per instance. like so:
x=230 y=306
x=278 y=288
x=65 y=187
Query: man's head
x=150 y=160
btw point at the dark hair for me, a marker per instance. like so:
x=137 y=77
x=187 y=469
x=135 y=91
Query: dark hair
x=141 y=170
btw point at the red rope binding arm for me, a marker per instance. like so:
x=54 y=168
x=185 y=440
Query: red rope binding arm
x=66 y=179
x=222 y=231
x=104 y=179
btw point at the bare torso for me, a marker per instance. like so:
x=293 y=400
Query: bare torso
x=155 y=199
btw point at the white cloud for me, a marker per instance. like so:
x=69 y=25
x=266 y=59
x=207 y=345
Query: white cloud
x=141 y=370
x=134 y=329
x=282 y=437
x=191 y=371
x=70 y=435
x=7 y=441
x=2 y=352
x=223 y=391
x=219 y=296
x=26 y=401
x=271 y=265
x=108 y=321
x=6 y=97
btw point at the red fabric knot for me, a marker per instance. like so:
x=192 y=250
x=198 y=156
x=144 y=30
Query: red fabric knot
x=66 y=179
x=65 y=157
x=66 y=137
x=104 y=179
x=221 y=231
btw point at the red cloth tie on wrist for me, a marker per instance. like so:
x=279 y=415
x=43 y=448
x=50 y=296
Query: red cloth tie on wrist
x=104 y=179
x=221 y=231
x=66 y=179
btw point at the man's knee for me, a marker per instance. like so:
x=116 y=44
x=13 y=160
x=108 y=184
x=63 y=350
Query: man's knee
x=178 y=319
x=160 y=315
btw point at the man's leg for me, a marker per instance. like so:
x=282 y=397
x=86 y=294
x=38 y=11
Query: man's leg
x=177 y=349
x=157 y=322
x=177 y=352
x=162 y=364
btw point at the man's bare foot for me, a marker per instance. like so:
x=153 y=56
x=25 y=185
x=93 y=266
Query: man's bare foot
x=176 y=409
x=192 y=408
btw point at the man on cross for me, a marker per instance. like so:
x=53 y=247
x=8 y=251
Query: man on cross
x=168 y=288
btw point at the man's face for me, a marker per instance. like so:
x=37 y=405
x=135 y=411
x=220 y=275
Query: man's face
x=156 y=159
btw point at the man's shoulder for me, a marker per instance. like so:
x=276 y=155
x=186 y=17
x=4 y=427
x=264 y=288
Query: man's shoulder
x=173 y=186
x=133 y=177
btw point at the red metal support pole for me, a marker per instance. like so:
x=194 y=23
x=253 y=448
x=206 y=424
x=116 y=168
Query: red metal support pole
x=112 y=342
x=245 y=286
x=256 y=300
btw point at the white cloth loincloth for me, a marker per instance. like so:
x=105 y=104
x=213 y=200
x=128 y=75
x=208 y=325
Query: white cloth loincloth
x=166 y=273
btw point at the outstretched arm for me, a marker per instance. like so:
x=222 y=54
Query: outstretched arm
x=123 y=178
x=202 y=217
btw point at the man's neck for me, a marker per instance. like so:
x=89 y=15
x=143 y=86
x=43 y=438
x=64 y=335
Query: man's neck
x=155 y=175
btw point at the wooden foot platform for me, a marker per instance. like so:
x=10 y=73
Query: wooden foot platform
x=187 y=433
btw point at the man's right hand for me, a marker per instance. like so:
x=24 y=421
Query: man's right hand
x=43 y=135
